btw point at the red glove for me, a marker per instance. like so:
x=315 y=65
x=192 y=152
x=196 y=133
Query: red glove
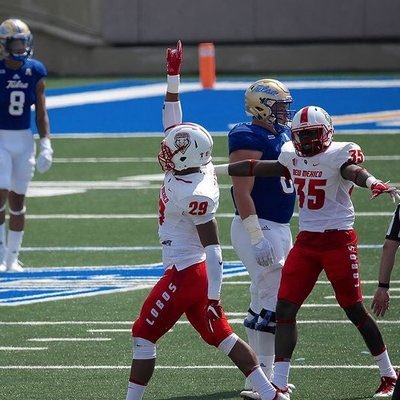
x=213 y=313
x=174 y=59
x=379 y=187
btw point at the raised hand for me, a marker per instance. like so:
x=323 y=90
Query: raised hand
x=174 y=59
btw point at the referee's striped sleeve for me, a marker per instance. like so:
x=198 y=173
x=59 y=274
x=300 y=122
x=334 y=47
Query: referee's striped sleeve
x=393 y=232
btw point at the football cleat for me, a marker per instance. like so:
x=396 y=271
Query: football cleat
x=386 y=388
x=15 y=267
x=290 y=388
x=250 y=395
x=3 y=267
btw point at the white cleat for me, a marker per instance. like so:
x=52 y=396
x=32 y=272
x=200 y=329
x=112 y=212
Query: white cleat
x=3 y=267
x=15 y=267
x=250 y=395
x=291 y=388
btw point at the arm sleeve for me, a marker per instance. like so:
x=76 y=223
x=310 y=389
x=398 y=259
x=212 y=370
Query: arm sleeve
x=214 y=270
x=171 y=114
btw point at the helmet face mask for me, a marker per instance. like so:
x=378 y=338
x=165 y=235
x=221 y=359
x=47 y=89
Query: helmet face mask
x=312 y=131
x=15 y=40
x=185 y=146
x=269 y=100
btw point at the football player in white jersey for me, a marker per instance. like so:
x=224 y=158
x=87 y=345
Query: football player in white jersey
x=191 y=253
x=324 y=174
x=21 y=85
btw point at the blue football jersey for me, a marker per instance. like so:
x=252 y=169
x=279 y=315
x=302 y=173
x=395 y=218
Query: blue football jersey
x=273 y=197
x=18 y=93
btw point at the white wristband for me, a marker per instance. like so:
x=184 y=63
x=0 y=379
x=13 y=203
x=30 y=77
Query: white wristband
x=253 y=228
x=45 y=143
x=370 y=180
x=173 y=83
x=221 y=169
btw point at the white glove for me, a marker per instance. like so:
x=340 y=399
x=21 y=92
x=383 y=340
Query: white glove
x=264 y=253
x=45 y=158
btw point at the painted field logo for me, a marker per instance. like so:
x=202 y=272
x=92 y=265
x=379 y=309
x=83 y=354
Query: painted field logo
x=36 y=285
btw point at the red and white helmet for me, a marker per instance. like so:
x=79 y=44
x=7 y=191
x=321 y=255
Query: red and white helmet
x=185 y=146
x=312 y=131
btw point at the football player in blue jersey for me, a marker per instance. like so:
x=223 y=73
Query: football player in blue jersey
x=21 y=86
x=260 y=230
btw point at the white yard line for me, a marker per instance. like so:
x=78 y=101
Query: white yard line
x=69 y=339
x=181 y=322
x=89 y=160
x=180 y=367
x=138 y=248
x=108 y=330
x=155 y=216
x=10 y=348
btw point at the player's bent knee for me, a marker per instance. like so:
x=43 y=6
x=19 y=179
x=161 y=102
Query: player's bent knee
x=143 y=349
x=227 y=344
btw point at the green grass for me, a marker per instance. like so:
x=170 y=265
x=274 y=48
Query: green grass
x=320 y=344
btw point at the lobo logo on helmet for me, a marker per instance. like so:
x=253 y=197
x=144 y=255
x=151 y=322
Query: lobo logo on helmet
x=182 y=141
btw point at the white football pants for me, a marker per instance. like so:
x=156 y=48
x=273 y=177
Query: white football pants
x=264 y=280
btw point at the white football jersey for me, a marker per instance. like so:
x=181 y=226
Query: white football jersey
x=323 y=194
x=186 y=201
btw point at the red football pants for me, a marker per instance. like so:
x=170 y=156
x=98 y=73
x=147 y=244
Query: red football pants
x=175 y=294
x=333 y=252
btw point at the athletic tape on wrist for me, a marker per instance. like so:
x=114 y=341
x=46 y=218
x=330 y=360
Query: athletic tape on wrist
x=370 y=181
x=173 y=83
x=253 y=228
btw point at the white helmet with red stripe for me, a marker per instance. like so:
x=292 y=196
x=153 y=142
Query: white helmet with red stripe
x=312 y=131
x=185 y=146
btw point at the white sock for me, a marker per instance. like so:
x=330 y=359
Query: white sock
x=252 y=341
x=261 y=384
x=384 y=364
x=135 y=391
x=13 y=246
x=266 y=352
x=281 y=374
x=2 y=242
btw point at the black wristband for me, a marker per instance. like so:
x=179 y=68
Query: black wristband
x=383 y=285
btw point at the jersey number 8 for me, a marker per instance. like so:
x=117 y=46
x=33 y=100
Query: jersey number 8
x=17 y=101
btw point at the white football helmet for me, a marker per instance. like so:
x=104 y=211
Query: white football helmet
x=15 y=40
x=185 y=146
x=312 y=131
x=269 y=100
